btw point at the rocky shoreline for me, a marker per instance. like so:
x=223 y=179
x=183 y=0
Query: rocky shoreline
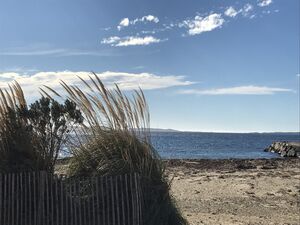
x=285 y=149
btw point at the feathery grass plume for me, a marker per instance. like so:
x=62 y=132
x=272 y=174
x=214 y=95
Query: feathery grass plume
x=16 y=140
x=31 y=137
x=115 y=139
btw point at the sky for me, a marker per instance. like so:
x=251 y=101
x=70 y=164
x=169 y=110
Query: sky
x=214 y=66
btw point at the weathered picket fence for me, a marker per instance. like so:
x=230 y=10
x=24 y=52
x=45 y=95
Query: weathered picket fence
x=40 y=199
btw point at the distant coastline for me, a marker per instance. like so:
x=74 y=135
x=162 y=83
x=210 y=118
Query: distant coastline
x=221 y=132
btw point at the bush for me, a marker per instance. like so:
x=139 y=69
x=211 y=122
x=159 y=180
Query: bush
x=116 y=140
x=31 y=137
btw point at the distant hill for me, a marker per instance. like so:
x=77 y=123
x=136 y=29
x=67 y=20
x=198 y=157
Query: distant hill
x=163 y=130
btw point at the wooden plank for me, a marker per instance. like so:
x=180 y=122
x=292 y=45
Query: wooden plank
x=132 y=200
x=1 y=199
x=22 y=219
x=137 y=199
x=75 y=202
x=79 y=202
x=83 y=204
x=94 y=184
x=88 y=205
x=12 y=201
x=112 y=200
x=56 y=200
x=8 y=206
x=17 y=198
x=61 y=200
x=140 y=199
x=117 y=200
x=42 y=178
x=97 y=200
x=103 y=201
x=51 y=201
x=122 y=197
x=34 y=199
x=71 y=202
x=67 y=203
x=47 y=209
x=127 y=199
x=107 y=202
x=5 y=200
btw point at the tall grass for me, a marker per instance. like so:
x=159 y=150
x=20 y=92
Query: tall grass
x=115 y=139
x=17 y=151
x=31 y=136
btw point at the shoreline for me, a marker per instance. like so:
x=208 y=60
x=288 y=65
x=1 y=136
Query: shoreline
x=238 y=164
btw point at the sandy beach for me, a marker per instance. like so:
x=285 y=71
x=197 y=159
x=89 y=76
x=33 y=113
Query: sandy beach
x=232 y=192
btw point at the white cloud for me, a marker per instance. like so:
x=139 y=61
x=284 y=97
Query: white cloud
x=126 y=81
x=110 y=40
x=263 y=3
x=138 y=41
x=149 y=18
x=231 y=12
x=130 y=41
x=247 y=9
x=240 y=90
x=124 y=23
x=203 y=24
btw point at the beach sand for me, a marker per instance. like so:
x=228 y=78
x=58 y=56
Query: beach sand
x=231 y=192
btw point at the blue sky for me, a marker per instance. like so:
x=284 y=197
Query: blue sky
x=230 y=66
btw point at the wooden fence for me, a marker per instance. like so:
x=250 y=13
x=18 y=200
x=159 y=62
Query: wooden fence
x=40 y=199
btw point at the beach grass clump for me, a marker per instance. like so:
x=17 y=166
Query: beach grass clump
x=115 y=139
x=31 y=136
x=17 y=151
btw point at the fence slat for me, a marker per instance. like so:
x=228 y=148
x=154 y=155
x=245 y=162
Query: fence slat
x=4 y=200
x=1 y=190
x=117 y=200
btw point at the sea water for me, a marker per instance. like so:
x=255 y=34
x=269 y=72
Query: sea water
x=196 y=145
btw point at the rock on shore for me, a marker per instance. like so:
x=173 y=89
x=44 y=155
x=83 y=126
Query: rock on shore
x=285 y=149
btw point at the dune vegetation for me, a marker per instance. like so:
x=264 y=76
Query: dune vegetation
x=106 y=131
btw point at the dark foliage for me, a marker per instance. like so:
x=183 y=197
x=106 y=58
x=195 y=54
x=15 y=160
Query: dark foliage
x=32 y=137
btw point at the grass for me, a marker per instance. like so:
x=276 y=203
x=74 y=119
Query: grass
x=115 y=139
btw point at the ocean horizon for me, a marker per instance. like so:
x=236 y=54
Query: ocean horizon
x=211 y=145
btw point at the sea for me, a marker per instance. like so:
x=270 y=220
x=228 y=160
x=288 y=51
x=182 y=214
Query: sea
x=199 y=145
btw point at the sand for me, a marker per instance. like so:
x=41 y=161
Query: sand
x=231 y=192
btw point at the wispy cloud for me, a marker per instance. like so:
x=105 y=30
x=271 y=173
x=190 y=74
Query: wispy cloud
x=247 y=9
x=200 y=24
x=231 y=12
x=53 y=52
x=263 y=3
x=239 y=90
x=130 y=41
x=33 y=52
x=126 y=81
x=125 y=22
x=191 y=26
